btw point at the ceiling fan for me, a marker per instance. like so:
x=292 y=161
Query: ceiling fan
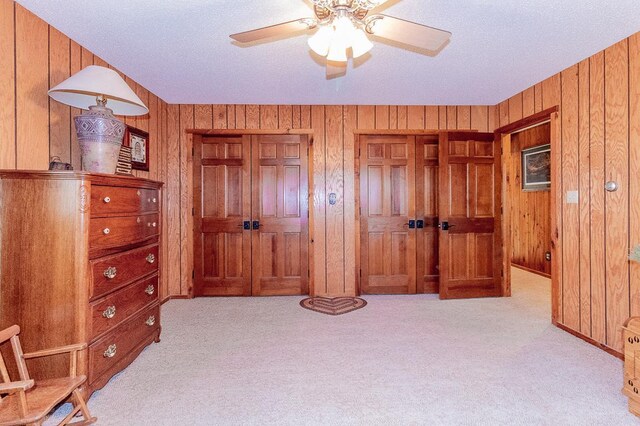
x=343 y=28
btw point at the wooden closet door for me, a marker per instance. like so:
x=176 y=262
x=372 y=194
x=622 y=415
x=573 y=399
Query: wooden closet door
x=387 y=197
x=222 y=202
x=427 y=270
x=470 y=203
x=281 y=205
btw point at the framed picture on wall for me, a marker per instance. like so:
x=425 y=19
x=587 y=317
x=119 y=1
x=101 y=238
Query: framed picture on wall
x=536 y=168
x=138 y=141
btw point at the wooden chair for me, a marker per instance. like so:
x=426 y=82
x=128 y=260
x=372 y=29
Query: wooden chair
x=29 y=401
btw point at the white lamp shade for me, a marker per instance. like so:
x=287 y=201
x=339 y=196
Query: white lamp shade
x=81 y=89
x=321 y=41
x=361 y=44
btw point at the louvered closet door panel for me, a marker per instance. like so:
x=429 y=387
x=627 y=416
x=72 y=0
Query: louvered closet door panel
x=387 y=197
x=222 y=202
x=280 y=203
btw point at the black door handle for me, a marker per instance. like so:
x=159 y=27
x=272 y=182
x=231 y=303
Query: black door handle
x=246 y=225
x=419 y=224
x=445 y=226
x=412 y=224
x=256 y=224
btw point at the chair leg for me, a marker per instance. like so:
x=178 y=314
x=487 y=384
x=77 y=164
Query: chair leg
x=79 y=406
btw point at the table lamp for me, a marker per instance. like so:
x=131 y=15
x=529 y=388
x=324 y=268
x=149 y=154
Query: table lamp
x=99 y=132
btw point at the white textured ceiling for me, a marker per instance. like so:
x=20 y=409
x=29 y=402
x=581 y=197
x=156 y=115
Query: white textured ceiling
x=180 y=49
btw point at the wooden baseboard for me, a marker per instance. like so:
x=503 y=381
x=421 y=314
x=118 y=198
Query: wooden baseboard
x=589 y=340
x=177 y=296
x=533 y=271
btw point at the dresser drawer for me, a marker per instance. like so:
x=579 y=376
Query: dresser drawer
x=110 y=232
x=107 y=352
x=107 y=200
x=112 y=272
x=117 y=307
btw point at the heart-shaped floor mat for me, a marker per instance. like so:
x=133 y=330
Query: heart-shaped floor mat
x=333 y=305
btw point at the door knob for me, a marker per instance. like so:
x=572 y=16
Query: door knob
x=256 y=224
x=419 y=224
x=246 y=225
x=445 y=226
x=412 y=224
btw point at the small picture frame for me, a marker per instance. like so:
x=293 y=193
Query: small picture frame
x=138 y=141
x=536 y=168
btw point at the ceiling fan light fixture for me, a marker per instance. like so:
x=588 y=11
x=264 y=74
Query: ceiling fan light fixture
x=320 y=42
x=360 y=44
x=338 y=50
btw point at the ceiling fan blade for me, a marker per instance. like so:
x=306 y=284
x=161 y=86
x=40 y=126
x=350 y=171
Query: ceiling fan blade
x=336 y=69
x=407 y=33
x=277 y=30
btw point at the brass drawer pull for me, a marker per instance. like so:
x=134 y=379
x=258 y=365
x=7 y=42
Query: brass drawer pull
x=138 y=193
x=110 y=272
x=155 y=201
x=153 y=224
x=150 y=224
x=150 y=290
x=106 y=200
x=110 y=312
x=151 y=258
x=150 y=321
x=111 y=351
x=138 y=220
x=106 y=231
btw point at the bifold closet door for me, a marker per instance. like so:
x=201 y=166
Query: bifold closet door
x=470 y=201
x=280 y=264
x=387 y=204
x=427 y=268
x=251 y=223
x=222 y=198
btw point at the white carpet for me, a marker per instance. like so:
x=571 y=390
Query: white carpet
x=400 y=360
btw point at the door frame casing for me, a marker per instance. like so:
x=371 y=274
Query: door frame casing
x=504 y=135
x=192 y=134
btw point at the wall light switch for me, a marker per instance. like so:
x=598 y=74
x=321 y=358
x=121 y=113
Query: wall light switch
x=572 y=197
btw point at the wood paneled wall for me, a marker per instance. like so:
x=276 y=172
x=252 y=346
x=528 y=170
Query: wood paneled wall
x=599 y=101
x=332 y=167
x=530 y=211
x=33 y=128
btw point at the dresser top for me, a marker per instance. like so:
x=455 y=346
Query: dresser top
x=96 y=178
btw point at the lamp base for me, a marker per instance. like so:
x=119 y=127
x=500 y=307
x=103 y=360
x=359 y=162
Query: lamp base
x=100 y=137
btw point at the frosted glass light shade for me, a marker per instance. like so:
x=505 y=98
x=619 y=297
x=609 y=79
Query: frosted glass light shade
x=81 y=89
x=321 y=41
x=337 y=51
x=361 y=44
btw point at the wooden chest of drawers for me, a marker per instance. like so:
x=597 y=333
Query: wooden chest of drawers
x=79 y=262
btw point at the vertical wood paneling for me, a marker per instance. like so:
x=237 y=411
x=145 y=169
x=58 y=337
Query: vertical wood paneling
x=585 y=198
x=617 y=203
x=268 y=117
x=415 y=117
x=241 y=117
x=334 y=228
x=480 y=118
x=452 y=117
x=551 y=92
x=515 y=108
x=76 y=65
x=503 y=113
x=59 y=114
x=537 y=89
x=231 y=116
x=32 y=84
x=203 y=116
x=431 y=118
x=154 y=135
x=442 y=117
x=382 y=116
x=319 y=201
x=403 y=112
x=366 y=117
x=252 y=116
x=7 y=86
x=186 y=198
x=570 y=212
x=393 y=117
x=305 y=117
x=219 y=116
x=528 y=102
x=634 y=167
x=463 y=117
x=597 y=213
x=295 y=116
x=285 y=117
x=350 y=124
x=173 y=199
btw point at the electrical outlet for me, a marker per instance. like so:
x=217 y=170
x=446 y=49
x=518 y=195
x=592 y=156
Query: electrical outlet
x=572 y=197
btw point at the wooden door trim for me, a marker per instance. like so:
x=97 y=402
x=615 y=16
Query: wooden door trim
x=503 y=134
x=403 y=132
x=249 y=132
